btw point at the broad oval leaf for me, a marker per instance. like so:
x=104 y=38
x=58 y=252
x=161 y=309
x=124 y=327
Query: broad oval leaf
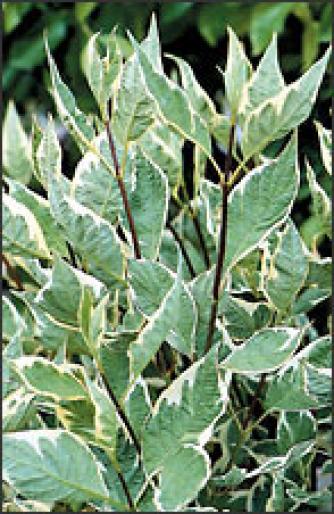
x=184 y=417
x=174 y=321
x=53 y=465
x=22 y=234
x=264 y=352
x=275 y=117
x=260 y=202
x=17 y=158
x=46 y=378
x=288 y=268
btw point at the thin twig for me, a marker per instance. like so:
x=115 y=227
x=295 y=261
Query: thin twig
x=126 y=490
x=198 y=229
x=12 y=273
x=182 y=248
x=222 y=242
x=122 y=416
x=124 y=195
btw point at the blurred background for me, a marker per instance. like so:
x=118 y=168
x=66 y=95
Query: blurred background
x=195 y=31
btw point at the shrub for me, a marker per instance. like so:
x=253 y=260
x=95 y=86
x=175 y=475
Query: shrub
x=159 y=352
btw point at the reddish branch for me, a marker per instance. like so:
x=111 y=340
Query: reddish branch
x=124 y=195
x=222 y=243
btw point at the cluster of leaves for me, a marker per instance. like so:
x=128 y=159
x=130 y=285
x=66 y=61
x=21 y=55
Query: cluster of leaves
x=116 y=394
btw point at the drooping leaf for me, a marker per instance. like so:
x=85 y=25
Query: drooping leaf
x=91 y=236
x=264 y=352
x=150 y=217
x=288 y=268
x=61 y=295
x=22 y=234
x=150 y=282
x=174 y=321
x=289 y=392
x=40 y=208
x=17 y=157
x=182 y=425
x=48 y=379
x=52 y=465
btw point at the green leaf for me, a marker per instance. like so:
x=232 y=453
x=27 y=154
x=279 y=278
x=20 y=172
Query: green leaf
x=151 y=44
x=288 y=268
x=198 y=98
x=22 y=234
x=53 y=465
x=96 y=188
x=115 y=362
x=77 y=416
x=138 y=407
x=266 y=82
x=174 y=321
x=164 y=148
x=149 y=217
x=265 y=351
x=40 y=208
x=260 y=202
x=49 y=154
x=17 y=409
x=12 y=322
x=182 y=423
x=325 y=139
x=172 y=103
x=61 y=295
x=321 y=204
x=93 y=320
x=74 y=120
x=237 y=72
x=243 y=318
x=135 y=110
x=319 y=352
x=150 y=282
x=105 y=417
x=289 y=392
x=293 y=428
x=173 y=493
x=278 y=115
x=17 y=157
x=91 y=236
x=46 y=378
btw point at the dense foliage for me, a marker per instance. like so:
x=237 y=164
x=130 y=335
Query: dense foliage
x=160 y=352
